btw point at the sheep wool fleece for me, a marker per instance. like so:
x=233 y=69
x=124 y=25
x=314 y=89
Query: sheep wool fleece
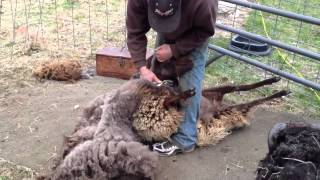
x=104 y=145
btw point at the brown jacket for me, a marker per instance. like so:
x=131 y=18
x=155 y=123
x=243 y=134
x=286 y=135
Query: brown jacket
x=197 y=23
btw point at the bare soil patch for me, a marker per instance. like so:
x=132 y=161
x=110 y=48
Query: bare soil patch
x=35 y=119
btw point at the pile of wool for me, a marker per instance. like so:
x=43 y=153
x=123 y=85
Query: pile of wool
x=153 y=121
x=87 y=125
x=104 y=144
x=62 y=70
x=294 y=153
x=213 y=131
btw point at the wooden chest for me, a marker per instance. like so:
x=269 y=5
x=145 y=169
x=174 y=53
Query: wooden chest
x=117 y=62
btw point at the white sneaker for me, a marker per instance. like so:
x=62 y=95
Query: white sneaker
x=167 y=148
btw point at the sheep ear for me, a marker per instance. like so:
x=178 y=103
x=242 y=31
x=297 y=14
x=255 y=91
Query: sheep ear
x=274 y=133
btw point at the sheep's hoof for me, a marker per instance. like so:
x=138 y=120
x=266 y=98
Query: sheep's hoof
x=283 y=93
x=189 y=93
x=273 y=80
x=277 y=79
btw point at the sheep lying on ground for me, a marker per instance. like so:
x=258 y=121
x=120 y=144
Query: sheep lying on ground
x=155 y=122
x=63 y=70
x=294 y=153
x=106 y=142
x=217 y=118
x=104 y=145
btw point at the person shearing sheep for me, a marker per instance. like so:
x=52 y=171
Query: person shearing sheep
x=183 y=28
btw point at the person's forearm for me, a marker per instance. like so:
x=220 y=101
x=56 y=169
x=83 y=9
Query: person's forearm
x=137 y=27
x=140 y=63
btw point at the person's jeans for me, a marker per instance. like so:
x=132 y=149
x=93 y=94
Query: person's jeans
x=186 y=137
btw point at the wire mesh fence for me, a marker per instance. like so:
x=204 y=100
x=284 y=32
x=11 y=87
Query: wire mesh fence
x=36 y=30
x=32 y=31
x=63 y=26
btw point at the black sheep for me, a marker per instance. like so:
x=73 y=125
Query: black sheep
x=294 y=153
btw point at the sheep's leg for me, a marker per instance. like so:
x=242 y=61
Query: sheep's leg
x=216 y=94
x=233 y=88
x=245 y=107
x=181 y=96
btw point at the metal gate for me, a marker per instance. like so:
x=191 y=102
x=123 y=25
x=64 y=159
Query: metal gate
x=297 y=59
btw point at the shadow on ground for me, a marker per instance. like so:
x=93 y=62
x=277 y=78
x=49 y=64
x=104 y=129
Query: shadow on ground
x=34 y=120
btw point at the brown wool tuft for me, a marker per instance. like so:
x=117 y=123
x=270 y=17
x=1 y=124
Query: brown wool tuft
x=212 y=132
x=153 y=121
x=63 y=70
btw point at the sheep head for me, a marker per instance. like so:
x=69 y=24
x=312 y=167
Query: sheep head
x=173 y=68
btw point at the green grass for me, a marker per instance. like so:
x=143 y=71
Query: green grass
x=290 y=32
x=283 y=29
x=287 y=30
x=69 y=4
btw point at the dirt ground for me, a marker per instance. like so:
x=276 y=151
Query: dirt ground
x=34 y=119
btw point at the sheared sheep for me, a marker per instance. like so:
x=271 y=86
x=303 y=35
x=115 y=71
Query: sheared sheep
x=217 y=119
x=294 y=153
x=104 y=144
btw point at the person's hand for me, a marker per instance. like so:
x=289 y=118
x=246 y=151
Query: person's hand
x=146 y=74
x=163 y=53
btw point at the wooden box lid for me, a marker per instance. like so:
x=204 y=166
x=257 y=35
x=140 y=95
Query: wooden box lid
x=120 y=52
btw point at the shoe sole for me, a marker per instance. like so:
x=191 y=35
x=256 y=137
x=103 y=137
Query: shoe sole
x=176 y=152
